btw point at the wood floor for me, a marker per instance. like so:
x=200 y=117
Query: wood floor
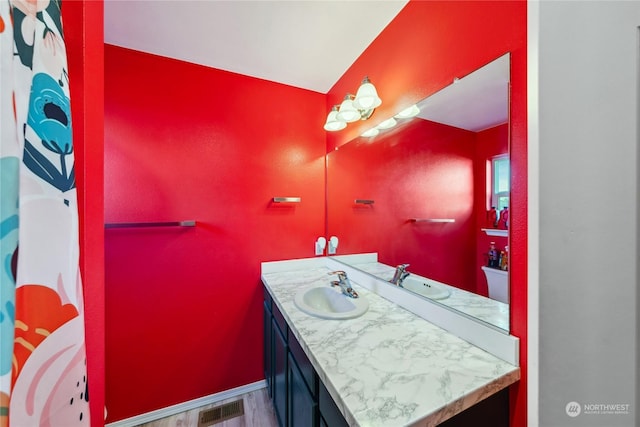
x=258 y=412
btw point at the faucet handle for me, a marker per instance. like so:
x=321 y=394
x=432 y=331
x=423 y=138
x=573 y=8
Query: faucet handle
x=341 y=274
x=344 y=284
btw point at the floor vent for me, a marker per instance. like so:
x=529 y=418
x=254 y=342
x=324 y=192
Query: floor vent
x=220 y=413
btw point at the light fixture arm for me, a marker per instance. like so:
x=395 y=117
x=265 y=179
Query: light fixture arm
x=366 y=114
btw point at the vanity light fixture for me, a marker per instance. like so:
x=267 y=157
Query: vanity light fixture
x=367 y=98
x=347 y=112
x=354 y=108
x=332 y=123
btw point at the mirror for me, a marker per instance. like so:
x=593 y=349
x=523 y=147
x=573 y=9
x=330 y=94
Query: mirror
x=418 y=194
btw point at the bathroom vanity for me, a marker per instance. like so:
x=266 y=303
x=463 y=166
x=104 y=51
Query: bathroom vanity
x=386 y=367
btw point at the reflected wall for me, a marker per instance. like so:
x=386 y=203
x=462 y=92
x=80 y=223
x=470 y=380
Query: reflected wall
x=419 y=171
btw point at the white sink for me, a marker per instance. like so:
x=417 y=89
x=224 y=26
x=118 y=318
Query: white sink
x=425 y=288
x=330 y=303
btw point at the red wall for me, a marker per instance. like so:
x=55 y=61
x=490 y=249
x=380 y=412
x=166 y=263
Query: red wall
x=422 y=50
x=182 y=141
x=489 y=143
x=420 y=169
x=83 y=30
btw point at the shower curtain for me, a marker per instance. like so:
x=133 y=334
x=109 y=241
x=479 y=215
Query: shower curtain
x=43 y=376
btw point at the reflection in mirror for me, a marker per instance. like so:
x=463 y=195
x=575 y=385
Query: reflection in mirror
x=430 y=188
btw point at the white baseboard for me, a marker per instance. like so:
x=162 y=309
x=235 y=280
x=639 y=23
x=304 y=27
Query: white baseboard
x=186 y=406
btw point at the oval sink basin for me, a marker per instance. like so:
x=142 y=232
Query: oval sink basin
x=425 y=288
x=330 y=303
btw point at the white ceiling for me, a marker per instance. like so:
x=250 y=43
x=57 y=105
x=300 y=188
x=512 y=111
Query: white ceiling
x=307 y=44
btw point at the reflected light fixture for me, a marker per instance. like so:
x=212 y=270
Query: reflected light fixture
x=408 y=112
x=387 y=124
x=354 y=108
x=371 y=132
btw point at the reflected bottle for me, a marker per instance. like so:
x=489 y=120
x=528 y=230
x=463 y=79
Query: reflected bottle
x=503 y=222
x=492 y=256
x=492 y=217
x=504 y=259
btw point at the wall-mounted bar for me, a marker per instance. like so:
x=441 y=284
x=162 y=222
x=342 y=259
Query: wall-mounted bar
x=185 y=223
x=286 y=200
x=363 y=201
x=432 y=220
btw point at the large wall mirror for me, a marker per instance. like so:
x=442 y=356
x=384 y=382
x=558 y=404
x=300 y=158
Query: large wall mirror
x=418 y=194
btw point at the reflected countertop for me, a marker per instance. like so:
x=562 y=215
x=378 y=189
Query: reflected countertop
x=388 y=367
x=486 y=309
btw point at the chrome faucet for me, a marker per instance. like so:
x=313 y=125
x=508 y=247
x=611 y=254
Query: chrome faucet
x=400 y=274
x=344 y=283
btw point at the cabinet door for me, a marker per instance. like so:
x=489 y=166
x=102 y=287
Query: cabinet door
x=302 y=406
x=304 y=364
x=268 y=349
x=329 y=411
x=279 y=374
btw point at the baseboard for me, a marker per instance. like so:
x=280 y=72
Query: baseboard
x=186 y=406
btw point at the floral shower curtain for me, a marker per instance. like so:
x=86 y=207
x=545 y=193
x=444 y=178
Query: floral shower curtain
x=43 y=376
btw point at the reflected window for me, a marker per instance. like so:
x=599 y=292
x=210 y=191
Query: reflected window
x=500 y=182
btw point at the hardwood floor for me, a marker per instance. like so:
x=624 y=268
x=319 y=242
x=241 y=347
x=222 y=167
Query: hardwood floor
x=258 y=412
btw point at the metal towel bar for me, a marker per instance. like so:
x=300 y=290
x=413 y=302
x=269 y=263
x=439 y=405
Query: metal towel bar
x=286 y=200
x=432 y=220
x=185 y=223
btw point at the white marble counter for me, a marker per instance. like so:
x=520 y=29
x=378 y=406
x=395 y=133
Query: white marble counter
x=488 y=310
x=387 y=367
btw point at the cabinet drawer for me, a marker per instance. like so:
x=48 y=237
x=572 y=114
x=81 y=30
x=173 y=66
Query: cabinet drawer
x=306 y=369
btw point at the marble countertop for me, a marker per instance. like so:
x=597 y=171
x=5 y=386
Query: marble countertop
x=388 y=367
x=486 y=309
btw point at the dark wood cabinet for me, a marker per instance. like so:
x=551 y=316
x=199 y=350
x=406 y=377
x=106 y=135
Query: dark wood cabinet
x=279 y=375
x=304 y=364
x=268 y=345
x=329 y=412
x=292 y=381
x=303 y=407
